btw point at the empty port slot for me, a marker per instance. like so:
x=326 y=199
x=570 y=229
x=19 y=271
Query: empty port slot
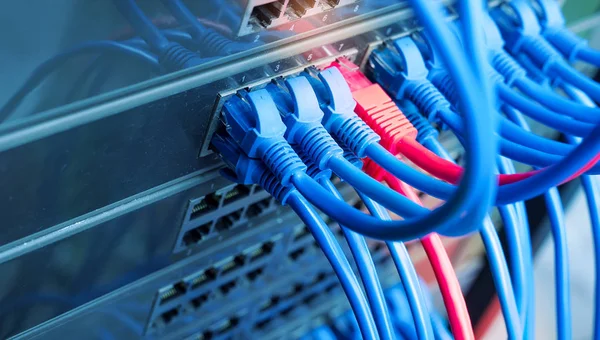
x=258 y=208
x=207 y=204
x=235 y=194
x=297 y=289
x=319 y=278
x=295 y=255
x=227 y=287
x=194 y=236
x=262 y=251
x=229 y=221
x=310 y=298
x=301 y=7
x=331 y=287
x=199 y=301
x=301 y=233
x=253 y=275
x=287 y=311
x=171 y=293
x=204 y=277
x=262 y=324
x=169 y=315
x=236 y=263
x=265 y=14
x=272 y=302
x=226 y=326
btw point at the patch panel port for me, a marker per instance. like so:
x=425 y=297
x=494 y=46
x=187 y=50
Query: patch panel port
x=266 y=13
x=170 y=315
x=258 y=208
x=262 y=251
x=170 y=293
x=253 y=275
x=236 y=263
x=300 y=8
x=229 y=221
x=226 y=288
x=336 y=3
x=196 y=235
x=205 y=205
x=199 y=280
x=226 y=326
x=235 y=194
x=199 y=301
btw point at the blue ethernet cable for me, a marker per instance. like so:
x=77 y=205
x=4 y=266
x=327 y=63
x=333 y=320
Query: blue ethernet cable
x=478 y=183
x=591 y=188
x=368 y=273
x=527 y=309
x=566 y=42
x=334 y=254
x=523 y=36
x=207 y=39
x=511 y=300
x=357 y=243
x=245 y=170
x=172 y=56
x=407 y=273
x=44 y=69
x=558 y=228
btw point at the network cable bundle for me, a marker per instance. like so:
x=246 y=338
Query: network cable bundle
x=290 y=169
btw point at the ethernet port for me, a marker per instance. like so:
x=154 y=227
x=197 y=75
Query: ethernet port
x=194 y=236
x=253 y=275
x=227 y=326
x=265 y=14
x=172 y=292
x=235 y=263
x=262 y=251
x=204 y=206
x=203 y=278
x=168 y=316
x=258 y=208
x=300 y=8
x=229 y=221
x=199 y=301
x=227 y=287
x=235 y=194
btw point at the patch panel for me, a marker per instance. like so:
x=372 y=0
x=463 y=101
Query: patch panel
x=209 y=216
x=211 y=285
x=266 y=14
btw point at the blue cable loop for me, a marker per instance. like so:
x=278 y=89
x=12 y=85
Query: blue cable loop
x=558 y=228
x=366 y=269
x=591 y=187
x=338 y=261
x=407 y=273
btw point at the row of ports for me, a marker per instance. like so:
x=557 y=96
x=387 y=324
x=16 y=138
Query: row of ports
x=193 y=292
x=221 y=211
x=307 y=298
x=267 y=14
x=301 y=291
x=225 y=267
x=213 y=201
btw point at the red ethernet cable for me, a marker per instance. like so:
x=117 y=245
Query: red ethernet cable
x=398 y=135
x=388 y=121
x=454 y=301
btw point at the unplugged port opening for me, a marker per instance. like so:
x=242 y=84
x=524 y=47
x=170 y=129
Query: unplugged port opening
x=266 y=13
